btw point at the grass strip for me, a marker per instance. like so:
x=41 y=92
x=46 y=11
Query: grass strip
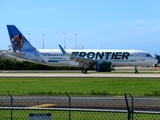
x=80 y=86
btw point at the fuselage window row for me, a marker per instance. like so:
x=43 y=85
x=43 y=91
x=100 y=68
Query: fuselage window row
x=46 y=54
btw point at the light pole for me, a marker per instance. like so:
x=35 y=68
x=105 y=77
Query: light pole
x=64 y=40
x=29 y=37
x=43 y=39
x=76 y=40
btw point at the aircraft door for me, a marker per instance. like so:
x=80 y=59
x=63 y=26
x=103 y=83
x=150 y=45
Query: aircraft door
x=137 y=57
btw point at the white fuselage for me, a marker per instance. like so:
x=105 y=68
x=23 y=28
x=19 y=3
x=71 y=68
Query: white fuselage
x=117 y=57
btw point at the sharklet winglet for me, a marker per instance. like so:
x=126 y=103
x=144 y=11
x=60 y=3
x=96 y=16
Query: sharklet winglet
x=63 y=51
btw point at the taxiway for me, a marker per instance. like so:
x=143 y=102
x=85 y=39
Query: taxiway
x=80 y=75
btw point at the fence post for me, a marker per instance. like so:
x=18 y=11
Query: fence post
x=132 y=105
x=11 y=103
x=69 y=106
x=128 y=113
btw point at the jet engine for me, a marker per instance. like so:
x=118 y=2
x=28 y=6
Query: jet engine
x=102 y=66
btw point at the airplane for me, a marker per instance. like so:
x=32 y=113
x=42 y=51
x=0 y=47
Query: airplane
x=100 y=60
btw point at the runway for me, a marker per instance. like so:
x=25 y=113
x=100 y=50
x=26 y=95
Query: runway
x=78 y=75
x=106 y=102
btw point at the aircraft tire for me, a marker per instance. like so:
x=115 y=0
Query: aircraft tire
x=84 y=71
x=136 y=72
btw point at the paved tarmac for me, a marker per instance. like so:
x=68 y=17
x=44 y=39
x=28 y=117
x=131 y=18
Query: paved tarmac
x=107 y=102
x=80 y=75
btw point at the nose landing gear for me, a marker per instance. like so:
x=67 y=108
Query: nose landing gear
x=136 y=70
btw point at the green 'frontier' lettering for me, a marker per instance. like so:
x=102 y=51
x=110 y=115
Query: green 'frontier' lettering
x=113 y=55
x=125 y=55
x=107 y=54
x=118 y=55
x=82 y=54
x=75 y=53
x=100 y=55
x=90 y=55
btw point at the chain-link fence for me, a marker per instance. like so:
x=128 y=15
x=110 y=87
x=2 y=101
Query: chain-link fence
x=78 y=108
x=26 y=113
x=21 y=113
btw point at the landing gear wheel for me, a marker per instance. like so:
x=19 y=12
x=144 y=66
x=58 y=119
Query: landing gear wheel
x=84 y=71
x=136 y=70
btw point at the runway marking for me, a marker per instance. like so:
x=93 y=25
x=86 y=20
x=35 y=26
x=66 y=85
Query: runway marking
x=43 y=106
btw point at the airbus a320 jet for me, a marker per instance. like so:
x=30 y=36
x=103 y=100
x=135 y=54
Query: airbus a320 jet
x=101 y=60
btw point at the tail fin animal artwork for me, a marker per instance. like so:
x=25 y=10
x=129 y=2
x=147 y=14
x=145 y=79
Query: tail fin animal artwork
x=21 y=46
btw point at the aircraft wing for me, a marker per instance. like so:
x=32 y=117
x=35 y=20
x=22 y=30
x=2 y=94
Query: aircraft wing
x=77 y=59
x=16 y=56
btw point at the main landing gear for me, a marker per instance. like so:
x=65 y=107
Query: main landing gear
x=84 y=71
x=136 y=70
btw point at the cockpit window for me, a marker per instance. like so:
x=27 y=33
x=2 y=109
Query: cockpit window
x=148 y=55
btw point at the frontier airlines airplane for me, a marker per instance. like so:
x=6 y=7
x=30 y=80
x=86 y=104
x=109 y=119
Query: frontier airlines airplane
x=101 y=60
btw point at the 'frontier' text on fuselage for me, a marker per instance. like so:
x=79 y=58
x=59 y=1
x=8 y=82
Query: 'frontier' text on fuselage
x=100 y=55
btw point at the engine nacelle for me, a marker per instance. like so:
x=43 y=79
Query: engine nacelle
x=103 y=66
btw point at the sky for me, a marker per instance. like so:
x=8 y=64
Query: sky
x=99 y=24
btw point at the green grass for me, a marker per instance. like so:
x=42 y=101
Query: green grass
x=80 y=86
x=75 y=115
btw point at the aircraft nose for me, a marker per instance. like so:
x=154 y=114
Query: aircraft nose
x=155 y=61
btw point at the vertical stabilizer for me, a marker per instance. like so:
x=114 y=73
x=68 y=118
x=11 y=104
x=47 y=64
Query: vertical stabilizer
x=17 y=39
x=21 y=47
